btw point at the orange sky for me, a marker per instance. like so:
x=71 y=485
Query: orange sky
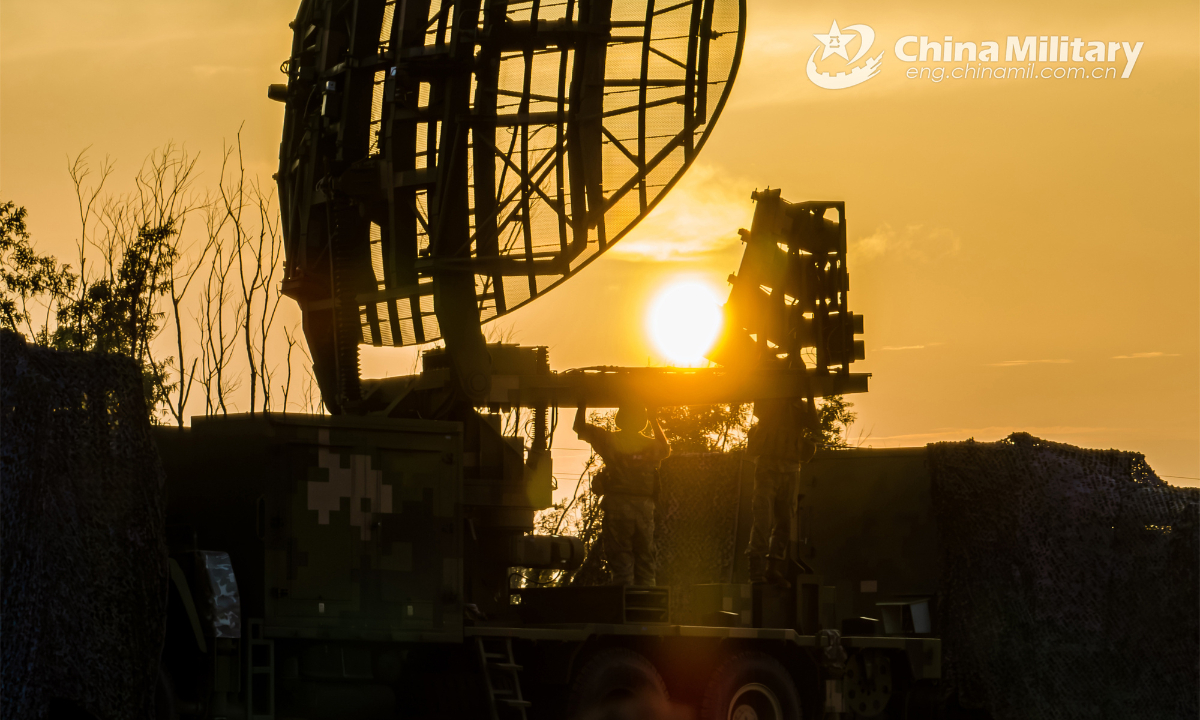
x=1026 y=253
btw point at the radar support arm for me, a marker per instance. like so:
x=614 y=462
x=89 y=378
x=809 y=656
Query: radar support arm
x=608 y=387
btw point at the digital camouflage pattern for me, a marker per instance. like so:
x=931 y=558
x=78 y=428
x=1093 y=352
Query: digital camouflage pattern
x=773 y=507
x=629 y=539
x=778 y=446
x=631 y=460
x=223 y=610
x=337 y=527
x=780 y=432
x=368 y=540
x=359 y=483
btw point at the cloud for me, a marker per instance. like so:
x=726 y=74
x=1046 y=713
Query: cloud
x=1016 y=363
x=777 y=42
x=914 y=241
x=1144 y=355
x=985 y=434
x=699 y=217
x=209 y=71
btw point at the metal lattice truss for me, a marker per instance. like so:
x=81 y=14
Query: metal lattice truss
x=789 y=305
x=482 y=152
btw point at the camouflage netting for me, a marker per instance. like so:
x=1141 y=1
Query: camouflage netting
x=83 y=559
x=696 y=522
x=1071 y=579
x=1070 y=585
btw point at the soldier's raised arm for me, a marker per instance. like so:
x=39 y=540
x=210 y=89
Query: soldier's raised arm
x=582 y=428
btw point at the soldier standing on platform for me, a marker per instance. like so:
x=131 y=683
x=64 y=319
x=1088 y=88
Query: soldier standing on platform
x=630 y=489
x=780 y=446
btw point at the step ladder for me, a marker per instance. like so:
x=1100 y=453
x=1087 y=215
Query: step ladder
x=501 y=677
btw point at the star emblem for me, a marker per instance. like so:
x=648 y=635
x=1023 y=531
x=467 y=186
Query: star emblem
x=835 y=42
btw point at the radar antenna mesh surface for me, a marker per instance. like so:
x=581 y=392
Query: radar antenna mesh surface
x=430 y=147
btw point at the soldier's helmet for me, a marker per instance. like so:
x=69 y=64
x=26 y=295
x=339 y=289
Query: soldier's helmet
x=631 y=418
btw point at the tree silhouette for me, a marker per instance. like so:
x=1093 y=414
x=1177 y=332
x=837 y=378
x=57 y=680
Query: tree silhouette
x=26 y=276
x=133 y=274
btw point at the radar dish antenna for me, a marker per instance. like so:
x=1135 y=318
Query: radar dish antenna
x=445 y=162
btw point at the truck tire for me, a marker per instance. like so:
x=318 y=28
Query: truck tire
x=617 y=683
x=751 y=686
x=871 y=688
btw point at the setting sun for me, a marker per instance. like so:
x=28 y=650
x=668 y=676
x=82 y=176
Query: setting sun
x=684 y=321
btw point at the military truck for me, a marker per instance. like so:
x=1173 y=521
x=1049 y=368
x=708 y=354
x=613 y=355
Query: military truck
x=349 y=567
x=373 y=550
x=340 y=567
x=444 y=162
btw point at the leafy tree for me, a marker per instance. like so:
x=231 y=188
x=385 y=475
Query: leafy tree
x=115 y=313
x=834 y=419
x=580 y=517
x=724 y=428
x=118 y=312
x=26 y=276
x=706 y=428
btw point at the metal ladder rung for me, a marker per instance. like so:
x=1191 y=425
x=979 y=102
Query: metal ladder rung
x=514 y=703
x=502 y=667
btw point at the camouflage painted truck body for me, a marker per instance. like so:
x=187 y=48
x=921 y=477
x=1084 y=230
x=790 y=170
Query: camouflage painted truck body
x=363 y=552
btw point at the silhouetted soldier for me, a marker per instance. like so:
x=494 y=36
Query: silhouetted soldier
x=630 y=488
x=780 y=446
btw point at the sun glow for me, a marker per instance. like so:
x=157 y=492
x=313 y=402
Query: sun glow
x=684 y=321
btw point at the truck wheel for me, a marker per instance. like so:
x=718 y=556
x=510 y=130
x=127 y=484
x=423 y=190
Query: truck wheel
x=751 y=686
x=869 y=686
x=617 y=683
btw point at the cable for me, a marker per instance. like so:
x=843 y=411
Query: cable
x=553 y=426
x=574 y=495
